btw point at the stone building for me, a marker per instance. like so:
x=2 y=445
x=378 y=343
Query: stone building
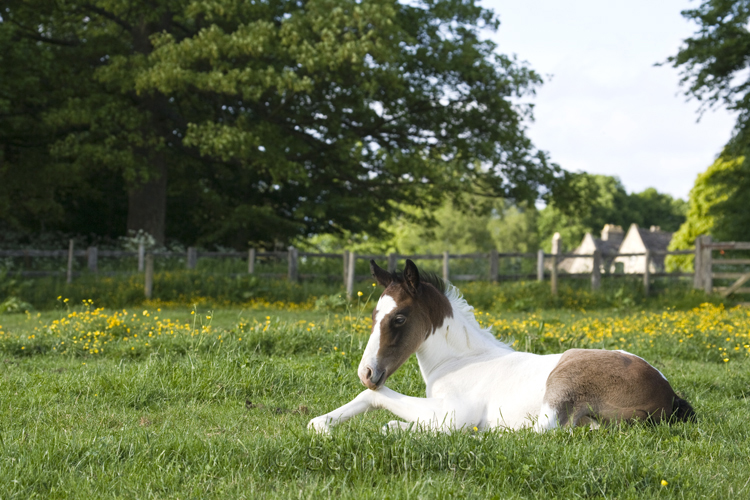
x=609 y=243
x=637 y=240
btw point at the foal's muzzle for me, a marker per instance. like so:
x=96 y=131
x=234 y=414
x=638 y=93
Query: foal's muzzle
x=373 y=378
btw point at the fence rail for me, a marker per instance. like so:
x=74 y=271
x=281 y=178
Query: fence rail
x=705 y=263
x=547 y=264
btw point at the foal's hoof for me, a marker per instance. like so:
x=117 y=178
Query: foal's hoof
x=321 y=425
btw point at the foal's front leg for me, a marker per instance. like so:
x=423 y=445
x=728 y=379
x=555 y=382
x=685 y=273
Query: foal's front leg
x=426 y=411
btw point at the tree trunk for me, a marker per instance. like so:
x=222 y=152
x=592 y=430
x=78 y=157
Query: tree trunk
x=147 y=203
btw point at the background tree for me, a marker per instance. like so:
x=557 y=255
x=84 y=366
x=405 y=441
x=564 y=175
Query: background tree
x=714 y=61
x=714 y=64
x=227 y=122
x=712 y=210
x=603 y=200
x=477 y=224
x=652 y=208
x=472 y=224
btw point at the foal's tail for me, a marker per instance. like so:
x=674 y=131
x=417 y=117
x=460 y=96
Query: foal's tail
x=682 y=411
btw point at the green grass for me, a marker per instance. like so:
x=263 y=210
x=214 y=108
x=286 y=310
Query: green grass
x=195 y=417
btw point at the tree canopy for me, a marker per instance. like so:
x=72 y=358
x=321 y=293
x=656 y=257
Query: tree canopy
x=714 y=64
x=714 y=61
x=477 y=224
x=604 y=200
x=717 y=207
x=223 y=122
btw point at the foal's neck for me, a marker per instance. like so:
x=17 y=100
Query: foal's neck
x=460 y=338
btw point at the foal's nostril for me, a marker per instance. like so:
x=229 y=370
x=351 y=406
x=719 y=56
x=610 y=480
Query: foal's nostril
x=368 y=375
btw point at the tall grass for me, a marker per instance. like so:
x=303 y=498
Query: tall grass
x=220 y=412
x=623 y=293
x=223 y=289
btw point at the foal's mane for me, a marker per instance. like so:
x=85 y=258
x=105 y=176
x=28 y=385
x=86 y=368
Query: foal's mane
x=457 y=300
x=434 y=280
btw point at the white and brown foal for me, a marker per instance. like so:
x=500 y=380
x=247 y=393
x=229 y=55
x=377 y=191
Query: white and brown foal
x=474 y=380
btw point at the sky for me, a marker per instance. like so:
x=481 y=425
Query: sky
x=604 y=107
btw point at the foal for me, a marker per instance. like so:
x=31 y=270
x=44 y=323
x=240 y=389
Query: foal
x=474 y=380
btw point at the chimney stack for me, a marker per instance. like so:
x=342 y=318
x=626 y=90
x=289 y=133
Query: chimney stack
x=609 y=229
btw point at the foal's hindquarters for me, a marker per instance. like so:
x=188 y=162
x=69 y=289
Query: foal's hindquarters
x=608 y=386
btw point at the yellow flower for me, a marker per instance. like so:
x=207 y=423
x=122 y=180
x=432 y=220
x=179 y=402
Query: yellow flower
x=359 y=294
x=373 y=284
x=476 y=428
x=664 y=482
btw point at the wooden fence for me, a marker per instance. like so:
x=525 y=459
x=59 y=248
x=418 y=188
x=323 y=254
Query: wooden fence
x=546 y=264
x=705 y=263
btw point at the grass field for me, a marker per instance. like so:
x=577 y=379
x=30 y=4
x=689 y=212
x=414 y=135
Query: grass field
x=185 y=403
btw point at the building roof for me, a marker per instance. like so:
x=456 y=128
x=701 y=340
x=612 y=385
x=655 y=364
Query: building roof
x=655 y=240
x=610 y=245
x=613 y=238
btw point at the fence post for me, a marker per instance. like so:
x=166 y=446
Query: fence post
x=647 y=274
x=192 y=257
x=540 y=265
x=446 y=266
x=70 y=261
x=707 y=265
x=596 y=271
x=350 y=275
x=555 y=253
x=292 y=255
x=141 y=256
x=494 y=265
x=92 y=253
x=148 y=285
x=251 y=261
x=346 y=268
x=392 y=261
x=698 y=264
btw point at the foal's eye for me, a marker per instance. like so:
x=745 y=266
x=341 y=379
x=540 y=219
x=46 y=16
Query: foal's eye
x=399 y=320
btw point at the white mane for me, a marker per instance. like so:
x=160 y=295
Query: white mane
x=466 y=311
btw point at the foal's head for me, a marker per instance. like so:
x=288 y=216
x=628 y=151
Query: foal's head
x=410 y=309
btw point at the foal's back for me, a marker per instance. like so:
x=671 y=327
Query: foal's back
x=506 y=387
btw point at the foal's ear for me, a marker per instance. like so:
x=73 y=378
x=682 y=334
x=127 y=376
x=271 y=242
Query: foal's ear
x=383 y=277
x=411 y=277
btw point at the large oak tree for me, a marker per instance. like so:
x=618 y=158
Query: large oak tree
x=224 y=122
